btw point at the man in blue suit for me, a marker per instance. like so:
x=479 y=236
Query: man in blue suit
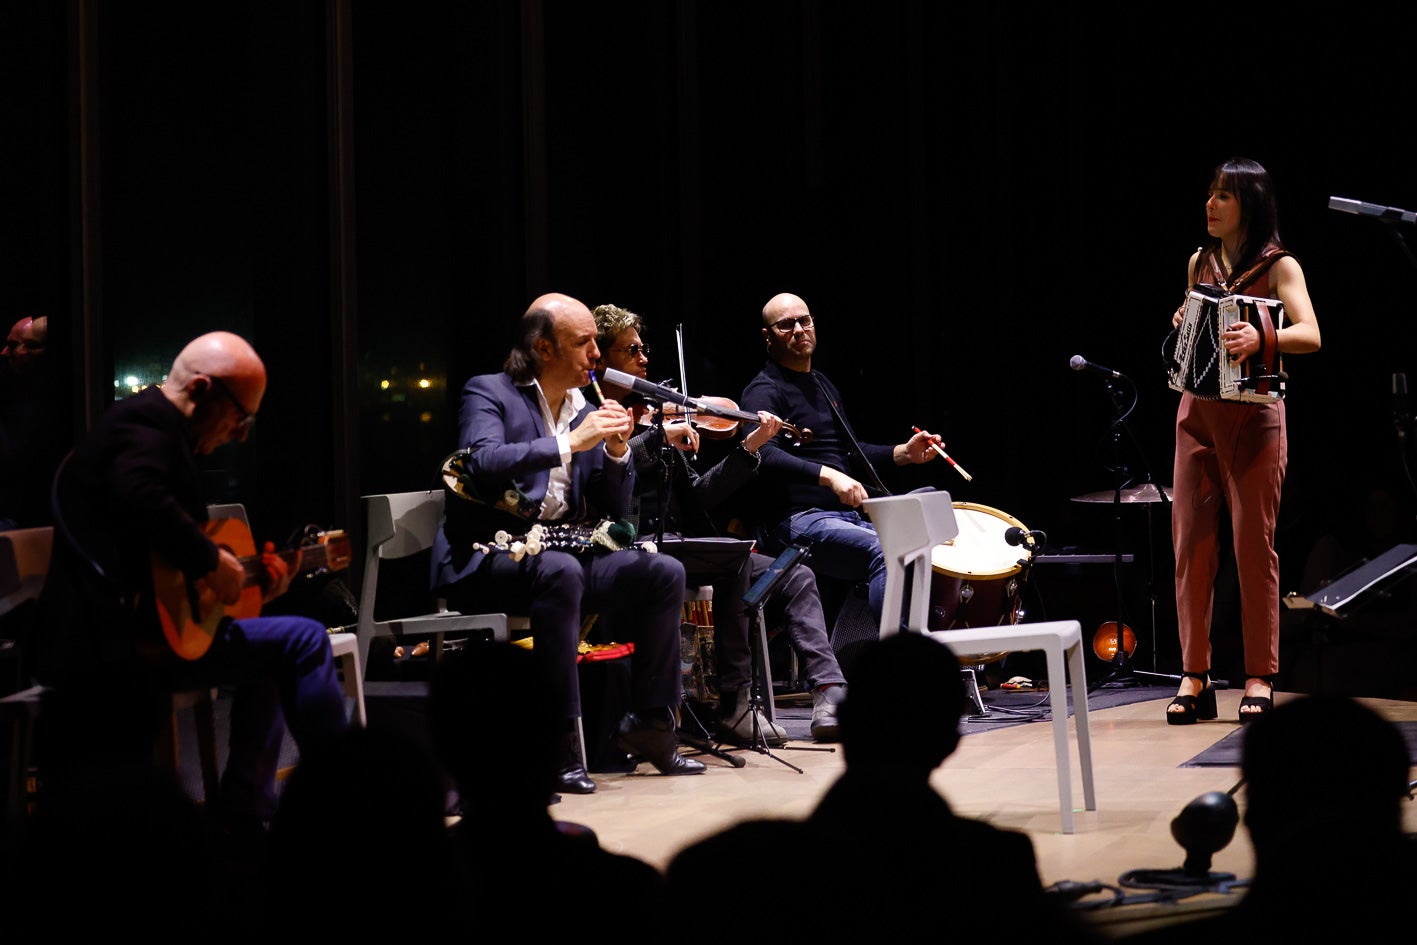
x=541 y=453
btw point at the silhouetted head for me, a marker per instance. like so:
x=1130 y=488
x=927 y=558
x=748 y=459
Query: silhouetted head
x=1323 y=769
x=903 y=705
x=493 y=730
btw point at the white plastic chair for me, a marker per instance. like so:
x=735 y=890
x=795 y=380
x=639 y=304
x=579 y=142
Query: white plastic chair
x=398 y=525
x=909 y=527
x=343 y=645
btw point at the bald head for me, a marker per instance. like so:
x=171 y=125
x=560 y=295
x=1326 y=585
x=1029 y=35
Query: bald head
x=549 y=323
x=794 y=348
x=24 y=345
x=557 y=304
x=217 y=381
x=784 y=303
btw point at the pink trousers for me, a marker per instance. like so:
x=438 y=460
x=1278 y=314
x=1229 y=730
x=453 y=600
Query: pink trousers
x=1233 y=455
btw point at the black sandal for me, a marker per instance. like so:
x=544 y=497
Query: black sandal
x=1193 y=708
x=1258 y=705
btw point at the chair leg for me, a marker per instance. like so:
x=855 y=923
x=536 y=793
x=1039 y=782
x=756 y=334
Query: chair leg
x=205 y=716
x=354 y=688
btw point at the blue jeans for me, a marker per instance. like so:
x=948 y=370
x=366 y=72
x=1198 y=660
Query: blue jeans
x=283 y=672
x=844 y=546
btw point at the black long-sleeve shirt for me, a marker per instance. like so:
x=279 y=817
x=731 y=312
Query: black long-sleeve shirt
x=789 y=471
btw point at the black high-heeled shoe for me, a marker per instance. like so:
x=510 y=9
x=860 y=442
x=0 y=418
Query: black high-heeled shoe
x=1257 y=705
x=1193 y=708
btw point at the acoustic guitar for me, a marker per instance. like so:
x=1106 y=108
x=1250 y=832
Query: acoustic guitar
x=189 y=612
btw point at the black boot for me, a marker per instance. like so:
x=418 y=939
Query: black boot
x=650 y=734
x=573 y=778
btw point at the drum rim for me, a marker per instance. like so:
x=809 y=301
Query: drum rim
x=980 y=575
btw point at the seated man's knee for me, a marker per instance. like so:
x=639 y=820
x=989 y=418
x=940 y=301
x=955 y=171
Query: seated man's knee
x=666 y=573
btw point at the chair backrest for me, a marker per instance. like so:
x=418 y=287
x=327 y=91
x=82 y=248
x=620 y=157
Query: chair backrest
x=234 y=510
x=909 y=527
x=398 y=524
x=403 y=523
x=907 y=524
x=24 y=562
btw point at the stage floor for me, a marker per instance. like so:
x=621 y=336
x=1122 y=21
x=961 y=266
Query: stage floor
x=1005 y=776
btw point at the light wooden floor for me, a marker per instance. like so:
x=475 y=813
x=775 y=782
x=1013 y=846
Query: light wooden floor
x=1004 y=776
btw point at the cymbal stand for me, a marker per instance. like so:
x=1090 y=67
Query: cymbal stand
x=1120 y=674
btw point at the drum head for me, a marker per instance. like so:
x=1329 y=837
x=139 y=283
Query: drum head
x=979 y=550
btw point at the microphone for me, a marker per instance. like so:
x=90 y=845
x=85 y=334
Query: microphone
x=1079 y=363
x=1386 y=214
x=644 y=388
x=1400 y=410
x=1014 y=535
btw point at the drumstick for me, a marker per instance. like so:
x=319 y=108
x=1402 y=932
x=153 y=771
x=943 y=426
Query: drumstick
x=619 y=437
x=947 y=457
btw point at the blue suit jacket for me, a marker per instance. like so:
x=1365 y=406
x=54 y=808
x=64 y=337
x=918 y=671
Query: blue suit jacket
x=500 y=425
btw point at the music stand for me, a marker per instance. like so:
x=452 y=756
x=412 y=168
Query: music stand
x=756 y=599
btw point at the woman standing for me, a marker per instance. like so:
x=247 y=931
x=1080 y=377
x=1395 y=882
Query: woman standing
x=1231 y=452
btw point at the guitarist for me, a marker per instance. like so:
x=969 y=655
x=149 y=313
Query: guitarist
x=127 y=500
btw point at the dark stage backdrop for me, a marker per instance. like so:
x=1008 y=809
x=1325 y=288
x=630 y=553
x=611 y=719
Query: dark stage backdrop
x=966 y=195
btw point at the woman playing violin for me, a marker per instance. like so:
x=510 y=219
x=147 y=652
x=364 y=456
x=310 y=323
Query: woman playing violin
x=692 y=498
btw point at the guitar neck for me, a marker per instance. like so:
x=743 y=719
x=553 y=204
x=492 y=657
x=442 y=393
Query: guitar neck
x=313 y=557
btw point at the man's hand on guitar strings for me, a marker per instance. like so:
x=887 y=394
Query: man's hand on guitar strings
x=276 y=571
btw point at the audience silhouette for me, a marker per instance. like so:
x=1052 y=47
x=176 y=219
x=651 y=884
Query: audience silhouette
x=920 y=869
x=372 y=800
x=521 y=863
x=1325 y=781
x=35 y=428
x=111 y=842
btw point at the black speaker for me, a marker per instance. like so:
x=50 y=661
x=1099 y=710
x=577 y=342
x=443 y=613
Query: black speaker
x=856 y=625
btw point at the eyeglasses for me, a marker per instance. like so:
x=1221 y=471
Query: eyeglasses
x=248 y=419
x=784 y=326
x=635 y=351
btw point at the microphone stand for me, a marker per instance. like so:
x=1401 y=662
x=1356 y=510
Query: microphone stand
x=699 y=741
x=1120 y=674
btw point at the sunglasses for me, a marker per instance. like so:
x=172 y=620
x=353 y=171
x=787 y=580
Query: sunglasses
x=785 y=326
x=635 y=351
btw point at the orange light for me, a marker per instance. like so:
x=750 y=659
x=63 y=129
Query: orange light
x=1104 y=641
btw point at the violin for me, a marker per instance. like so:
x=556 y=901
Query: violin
x=718 y=418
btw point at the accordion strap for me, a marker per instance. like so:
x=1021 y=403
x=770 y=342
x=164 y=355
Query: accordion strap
x=1269 y=338
x=1237 y=285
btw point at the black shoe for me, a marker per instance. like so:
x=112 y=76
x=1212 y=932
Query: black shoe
x=1252 y=707
x=1193 y=707
x=573 y=778
x=652 y=737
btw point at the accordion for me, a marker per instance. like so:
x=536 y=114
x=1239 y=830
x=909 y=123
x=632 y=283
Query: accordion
x=1197 y=362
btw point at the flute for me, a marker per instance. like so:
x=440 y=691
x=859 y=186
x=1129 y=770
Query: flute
x=619 y=437
x=946 y=457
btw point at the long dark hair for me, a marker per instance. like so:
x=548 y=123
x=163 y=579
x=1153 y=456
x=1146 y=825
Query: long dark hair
x=523 y=363
x=1259 y=215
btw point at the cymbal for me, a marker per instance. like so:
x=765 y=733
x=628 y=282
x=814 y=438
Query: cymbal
x=1146 y=492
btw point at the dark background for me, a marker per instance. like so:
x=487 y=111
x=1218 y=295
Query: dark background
x=966 y=195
